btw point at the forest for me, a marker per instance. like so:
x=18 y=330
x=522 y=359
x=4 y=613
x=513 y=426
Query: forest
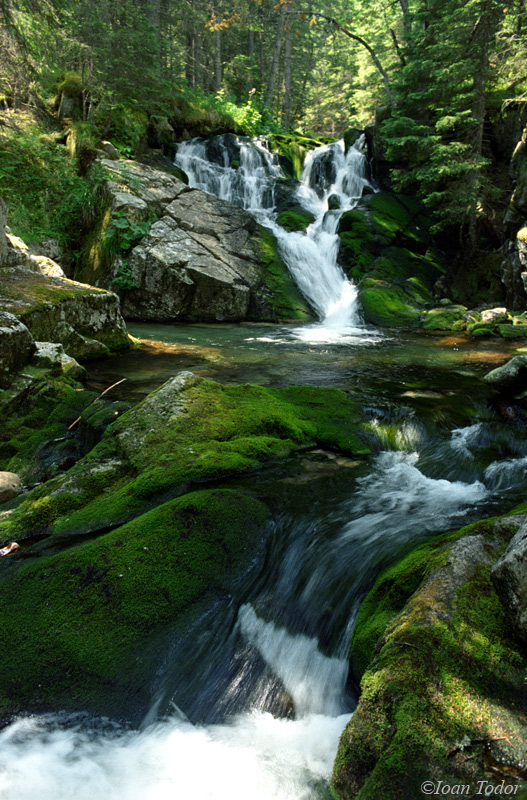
x=433 y=75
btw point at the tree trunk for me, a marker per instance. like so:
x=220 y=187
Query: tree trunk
x=484 y=30
x=286 y=107
x=273 y=74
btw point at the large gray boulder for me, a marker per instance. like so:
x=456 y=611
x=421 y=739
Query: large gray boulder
x=509 y=576
x=16 y=347
x=197 y=262
x=203 y=259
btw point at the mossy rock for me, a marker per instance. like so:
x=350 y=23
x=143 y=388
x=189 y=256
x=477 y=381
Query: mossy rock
x=295 y=219
x=91 y=627
x=482 y=329
x=512 y=331
x=445 y=318
x=397 y=219
x=439 y=665
x=278 y=298
x=189 y=431
x=34 y=438
x=71 y=85
x=386 y=248
x=350 y=137
x=387 y=305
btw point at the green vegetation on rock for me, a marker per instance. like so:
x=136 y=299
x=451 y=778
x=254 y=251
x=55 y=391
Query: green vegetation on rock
x=439 y=665
x=92 y=625
x=295 y=219
x=386 y=250
x=189 y=431
x=285 y=301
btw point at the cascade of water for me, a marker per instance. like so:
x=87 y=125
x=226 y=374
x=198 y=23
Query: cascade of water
x=312 y=257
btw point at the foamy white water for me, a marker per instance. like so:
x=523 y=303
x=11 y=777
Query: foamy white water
x=257 y=757
x=397 y=497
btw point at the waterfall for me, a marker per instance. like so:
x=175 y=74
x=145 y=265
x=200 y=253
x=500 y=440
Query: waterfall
x=244 y=173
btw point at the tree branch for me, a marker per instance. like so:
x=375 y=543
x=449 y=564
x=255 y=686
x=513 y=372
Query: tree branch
x=365 y=44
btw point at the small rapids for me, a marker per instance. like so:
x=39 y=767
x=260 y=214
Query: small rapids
x=255 y=756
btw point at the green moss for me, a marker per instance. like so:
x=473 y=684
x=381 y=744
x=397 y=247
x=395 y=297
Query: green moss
x=40 y=420
x=284 y=299
x=77 y=627
x=512 y=331
x=445 y=318
x=387 y=305
x=439 y=663
x=385 y=249
x=70 y=84
x=295 y=219
x=224 y=431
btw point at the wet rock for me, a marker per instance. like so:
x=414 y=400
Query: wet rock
x=16 y=347
x=509 y=576
x=10 y=486
x=323 y=173
x=511 y=378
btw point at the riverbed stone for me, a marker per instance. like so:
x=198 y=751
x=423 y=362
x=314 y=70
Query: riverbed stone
x=10 y=486
x=509 y=576
x=511 y=378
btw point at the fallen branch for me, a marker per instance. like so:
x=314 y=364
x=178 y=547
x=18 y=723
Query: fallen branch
x=94 y=401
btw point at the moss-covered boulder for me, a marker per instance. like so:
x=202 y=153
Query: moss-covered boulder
x=387 y=249
x=295 y=219
x=445 y=318
x=36 y=440
x=441 y=673
x=91 y=627
x=86 y=320
x=189 y=431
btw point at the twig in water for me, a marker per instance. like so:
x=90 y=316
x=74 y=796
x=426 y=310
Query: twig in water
x=97 y=398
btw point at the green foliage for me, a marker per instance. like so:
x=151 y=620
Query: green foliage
x=46 y=196
x=121 y=236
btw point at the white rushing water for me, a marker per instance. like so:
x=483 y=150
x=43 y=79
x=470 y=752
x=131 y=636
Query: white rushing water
x=256 y=756
x=312 y=257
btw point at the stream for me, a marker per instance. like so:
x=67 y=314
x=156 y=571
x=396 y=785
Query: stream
x=254 y=698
